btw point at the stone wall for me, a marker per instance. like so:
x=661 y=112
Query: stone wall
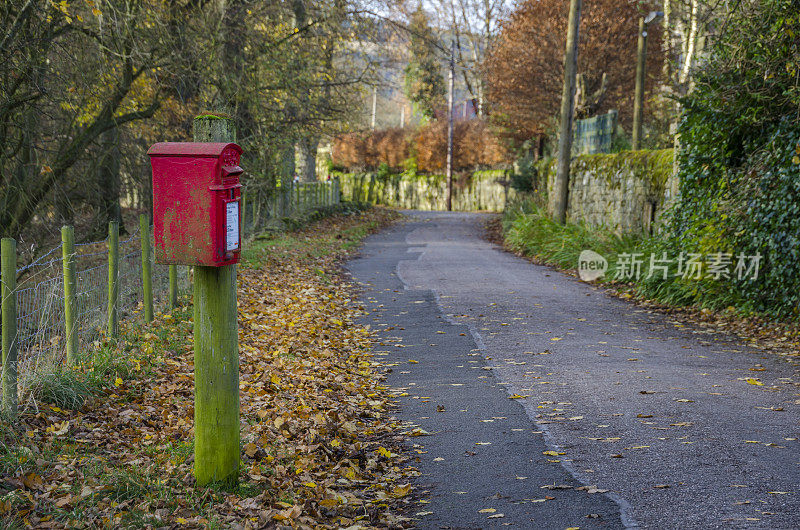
x=482 y=190
x=626 y=191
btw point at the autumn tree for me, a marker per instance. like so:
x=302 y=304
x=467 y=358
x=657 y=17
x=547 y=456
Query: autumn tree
x=525 y=68
x=86 y=87
x=423 y=83
x=71 y=75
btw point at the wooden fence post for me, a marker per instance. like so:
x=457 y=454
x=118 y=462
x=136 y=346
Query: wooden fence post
x=173 y=287
x=113 y=278
x=147 y=277
x=216 y=353
x=70 y=309
x=8 y=276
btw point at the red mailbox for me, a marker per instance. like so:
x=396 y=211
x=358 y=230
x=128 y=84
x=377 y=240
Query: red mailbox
x=196 y=195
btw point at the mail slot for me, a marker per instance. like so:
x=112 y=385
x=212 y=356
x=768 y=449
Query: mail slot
x=196 y=203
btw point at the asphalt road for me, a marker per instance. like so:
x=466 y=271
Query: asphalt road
x=528 y=384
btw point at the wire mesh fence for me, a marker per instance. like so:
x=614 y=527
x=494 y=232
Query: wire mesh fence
x=266 y=208
x=41 y=329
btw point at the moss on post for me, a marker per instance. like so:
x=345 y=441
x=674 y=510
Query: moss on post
x=214 y=127
x=70 y=309
x=216 y=353
x=8 y=276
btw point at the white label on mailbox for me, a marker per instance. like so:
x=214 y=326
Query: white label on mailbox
x=232 y=226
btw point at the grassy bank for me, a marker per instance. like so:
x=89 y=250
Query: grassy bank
x=529 y=231
x=109 y=444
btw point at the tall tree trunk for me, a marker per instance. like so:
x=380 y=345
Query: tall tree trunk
x=306 y=158
x=108 y=183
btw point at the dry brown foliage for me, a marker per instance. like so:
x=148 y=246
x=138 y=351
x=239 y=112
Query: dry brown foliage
x=525 y=66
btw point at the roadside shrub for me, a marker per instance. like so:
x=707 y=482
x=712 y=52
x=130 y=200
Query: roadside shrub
x=475 y=147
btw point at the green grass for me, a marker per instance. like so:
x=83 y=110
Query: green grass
x=60 y=387
x=271 y=244
x=54 y=384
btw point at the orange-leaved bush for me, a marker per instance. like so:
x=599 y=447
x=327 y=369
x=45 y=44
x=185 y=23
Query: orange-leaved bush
x=475 y=146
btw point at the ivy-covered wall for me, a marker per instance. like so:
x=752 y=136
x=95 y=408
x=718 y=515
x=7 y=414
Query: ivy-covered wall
x=482 y=190
x=625 y=192
x=739 y=168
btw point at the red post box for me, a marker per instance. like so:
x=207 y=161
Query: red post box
x=196 y=195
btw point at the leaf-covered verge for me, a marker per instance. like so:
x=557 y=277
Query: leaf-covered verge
x=318 y=446
x=527 y=230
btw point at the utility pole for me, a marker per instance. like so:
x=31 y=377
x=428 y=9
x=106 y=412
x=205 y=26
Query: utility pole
x=450 y=80
x=567 y=111
x=641 y=63
x=374 y=105
x=641 y=56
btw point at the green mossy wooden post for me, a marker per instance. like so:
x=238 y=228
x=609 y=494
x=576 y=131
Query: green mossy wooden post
x=8 y=276
x=70 y=309
x=147 y=276
x=216 y=353
x=173 y=287
x=113 y=278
